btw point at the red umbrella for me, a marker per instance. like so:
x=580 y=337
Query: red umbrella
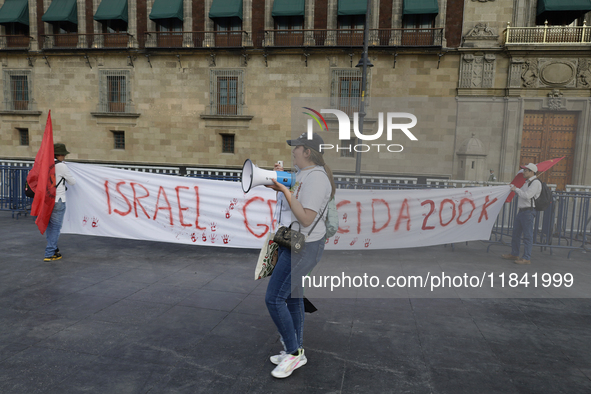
x=519 y=179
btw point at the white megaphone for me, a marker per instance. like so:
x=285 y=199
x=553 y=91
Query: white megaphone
x=254 y=176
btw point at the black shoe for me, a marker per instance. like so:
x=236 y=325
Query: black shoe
x=56 y=256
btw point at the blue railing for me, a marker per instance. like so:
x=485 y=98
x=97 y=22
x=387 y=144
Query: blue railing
x=565 y=224
x=12 y=190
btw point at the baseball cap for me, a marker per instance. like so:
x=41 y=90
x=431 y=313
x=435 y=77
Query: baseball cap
x=531 y=166
x=303 y=140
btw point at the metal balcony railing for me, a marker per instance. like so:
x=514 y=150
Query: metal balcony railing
x=122 y=107
x=87 y=41
x=19 y=105
x=196 y=39
x=407 y=37
x=15 y=42
x=575 y=35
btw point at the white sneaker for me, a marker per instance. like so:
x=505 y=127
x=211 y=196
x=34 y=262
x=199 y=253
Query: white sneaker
x=289 y=364
x=279 y=357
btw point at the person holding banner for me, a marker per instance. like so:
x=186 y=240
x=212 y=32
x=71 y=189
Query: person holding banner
x=524 y=221
x=62 y=175
x=307 y=200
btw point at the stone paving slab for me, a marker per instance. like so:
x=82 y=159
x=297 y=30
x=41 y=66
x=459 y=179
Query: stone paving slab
x=123 y=316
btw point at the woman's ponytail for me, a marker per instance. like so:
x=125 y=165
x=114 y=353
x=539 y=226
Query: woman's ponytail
x=317 y=158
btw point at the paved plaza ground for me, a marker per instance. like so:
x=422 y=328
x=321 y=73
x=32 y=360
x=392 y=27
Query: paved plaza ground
x=124 y=316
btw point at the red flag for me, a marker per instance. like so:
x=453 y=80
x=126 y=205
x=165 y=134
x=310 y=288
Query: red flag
x=519 y=179
x=41 y=179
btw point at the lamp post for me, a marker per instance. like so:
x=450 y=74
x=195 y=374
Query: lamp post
x=364 y=64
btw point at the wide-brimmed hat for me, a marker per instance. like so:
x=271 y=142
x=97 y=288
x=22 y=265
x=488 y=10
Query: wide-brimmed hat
x=531 y=166
x=303 y=140
x=60 y=149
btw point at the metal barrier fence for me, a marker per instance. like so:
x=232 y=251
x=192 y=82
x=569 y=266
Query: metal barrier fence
x=565 y=224
x=12 y=190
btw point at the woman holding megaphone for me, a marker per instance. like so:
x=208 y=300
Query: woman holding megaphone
x=308 y=199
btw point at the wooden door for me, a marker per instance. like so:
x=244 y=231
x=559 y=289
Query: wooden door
x=548 y=135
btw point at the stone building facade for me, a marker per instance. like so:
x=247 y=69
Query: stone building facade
x=209 y=86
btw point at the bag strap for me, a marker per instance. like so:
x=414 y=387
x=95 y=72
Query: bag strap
x=61 y=180
x=529 y=184
x=325 y=207
x=319 y=217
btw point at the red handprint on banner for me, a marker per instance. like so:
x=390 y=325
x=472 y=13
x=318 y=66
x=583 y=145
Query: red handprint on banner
x=94 y=222
x=226 y=238
x=228 y=215
x=353 y=242
x=336 y=239
x=204 y=237
x=84 y=220
x=367 y=242
x=193 y=237
x=212 y=237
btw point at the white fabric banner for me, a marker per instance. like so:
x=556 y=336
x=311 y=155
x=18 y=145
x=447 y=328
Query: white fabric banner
x=136 y=205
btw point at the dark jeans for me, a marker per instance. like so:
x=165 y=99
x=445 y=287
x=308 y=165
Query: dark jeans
x=524 y=224
x=284 y=298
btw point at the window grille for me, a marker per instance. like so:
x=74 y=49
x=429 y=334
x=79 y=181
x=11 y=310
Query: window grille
x=119 y=139
x=346 y=90
x=346 y=148
x=227 y=143
x=226 y=92
x=114 y=91
x=23 y=135
x=17 y=90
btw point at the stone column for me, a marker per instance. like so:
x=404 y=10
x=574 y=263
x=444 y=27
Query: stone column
x=247 y=22
x=132 y=22
x=331 y=22
x=33 y=31
x=82 y=39
x=98 y=41
x=269 y=23
x=48 y=27
x=151 y=40
x=440 y=20
x=511 y=139
x=187 y=23
x=209 y=39
x=396 y=14
x=374 y=23
x=309 y=22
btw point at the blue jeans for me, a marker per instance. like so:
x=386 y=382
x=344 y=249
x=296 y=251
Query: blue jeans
x=284 y=299
x=524 y=224
x=54 y=227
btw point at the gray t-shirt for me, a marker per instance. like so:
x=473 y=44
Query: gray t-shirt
x=283 y=215
x=312 y=190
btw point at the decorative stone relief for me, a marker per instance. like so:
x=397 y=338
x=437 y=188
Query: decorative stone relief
x=482 y=31
x=333 y=61
x=555 y=102
x=481 y=36
x=477 y=71
x=515 y=70
x=530 y=73
x=557 y=72
x=584 y=73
